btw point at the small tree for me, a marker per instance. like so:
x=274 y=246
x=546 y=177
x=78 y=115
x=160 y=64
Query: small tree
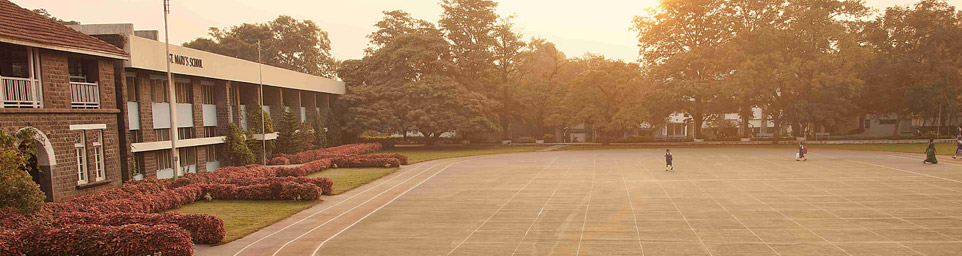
x=304 y=137
x=286 y=141
x=333 y=129
x=238 y=152
x=254 y=127
x=320 y=132
x=17 y=188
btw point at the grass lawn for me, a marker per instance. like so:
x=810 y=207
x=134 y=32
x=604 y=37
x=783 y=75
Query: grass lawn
x=420 y=153
x=349 y=178
x=242 y=217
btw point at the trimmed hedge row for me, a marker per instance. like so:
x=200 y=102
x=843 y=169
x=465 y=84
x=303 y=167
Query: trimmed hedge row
x=324 y=183
x=304 y=169
x=272 y=191
x=312 y=155
x=167 y=240
x=361 y=161
x=203 y=228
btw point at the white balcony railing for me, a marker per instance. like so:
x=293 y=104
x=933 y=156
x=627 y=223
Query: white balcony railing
x=84 y=95
x=20 y=92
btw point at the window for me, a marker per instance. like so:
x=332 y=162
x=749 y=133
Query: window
x=211 y=153
x=98 y=143
x=887 y=121
x=80 y=150
x=184 y=133
x=136 y=136
x=138 y=166
x=83 y=71
x=158 y=90
x=14 y=61
x=162 y=134
x=163 y=160
x=133 y=91
x=188 y=157
x=184 y=94
x=210 y=131
x=208 y=91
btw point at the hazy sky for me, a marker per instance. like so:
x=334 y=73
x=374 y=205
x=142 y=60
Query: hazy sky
x=577 y=27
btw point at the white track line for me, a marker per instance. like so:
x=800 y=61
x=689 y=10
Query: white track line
x=385 y=204
x=632 y=205
x=658 y=181
x=349 y=210
x=536 y=218
x=329 y=207
x=594 y=165
x=897 y=169
x=504 y=204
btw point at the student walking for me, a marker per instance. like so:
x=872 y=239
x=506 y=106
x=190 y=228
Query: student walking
x=958 y=147
x=930 y=153
x=668 y=157
x=802 y=150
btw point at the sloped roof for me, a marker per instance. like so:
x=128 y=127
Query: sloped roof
x=22 y=26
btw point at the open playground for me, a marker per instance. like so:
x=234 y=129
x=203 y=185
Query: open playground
x=717 y=201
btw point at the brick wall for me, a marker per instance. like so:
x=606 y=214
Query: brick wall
x=55 y=124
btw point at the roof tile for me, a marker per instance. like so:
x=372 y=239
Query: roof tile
x=20 y=24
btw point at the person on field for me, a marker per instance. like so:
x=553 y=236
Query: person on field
x=802 y=150
x=930 y=153
x=958 y=148
x=668 y=157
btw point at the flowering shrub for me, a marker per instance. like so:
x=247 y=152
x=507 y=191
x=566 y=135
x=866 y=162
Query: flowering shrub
x=305 y=169
x=351 y=149
x=203 y=228
x=272 y=191
x=279 y=160
x=324 y=183
x=167 y=240
x=365 y=161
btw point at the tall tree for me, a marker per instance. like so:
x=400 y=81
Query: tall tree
x=470 y=27
x=681 y=40
x=285 y=43
x=917 y=63
x=391 y=86
x=540 y=88
x=507 y=54
x=606 y=94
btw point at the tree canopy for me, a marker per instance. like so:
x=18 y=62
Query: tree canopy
x=298 y=45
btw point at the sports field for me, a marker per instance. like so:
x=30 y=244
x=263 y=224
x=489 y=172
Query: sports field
x=717 y=201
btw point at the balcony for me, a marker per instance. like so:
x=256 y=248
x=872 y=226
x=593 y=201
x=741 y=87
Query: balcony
x=20 y=93
x=84 y=95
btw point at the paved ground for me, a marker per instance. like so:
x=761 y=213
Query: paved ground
x=737 y=201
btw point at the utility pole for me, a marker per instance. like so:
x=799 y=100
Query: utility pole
x=260 y=77
x=172 y=96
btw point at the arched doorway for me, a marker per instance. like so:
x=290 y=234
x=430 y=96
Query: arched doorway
x=42 y=162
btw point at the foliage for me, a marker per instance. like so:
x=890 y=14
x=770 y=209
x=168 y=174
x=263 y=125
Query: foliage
x=605 y=93
x=17 y=188
x=238 y=152
x=168 y=240
x=320 y=131
x=46 y=14
x=286 y=141
x=285 y=43
x=254 y=125
x=916 y=66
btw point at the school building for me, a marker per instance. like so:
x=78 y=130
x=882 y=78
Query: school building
x=97 y=97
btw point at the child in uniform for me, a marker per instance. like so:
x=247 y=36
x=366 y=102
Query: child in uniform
x=668 y=165
x=958 y=147
x=801 y=152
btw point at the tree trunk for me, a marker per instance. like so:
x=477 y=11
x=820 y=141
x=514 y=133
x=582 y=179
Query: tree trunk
x=745 y=116
x=898 y=122
x=777 y=133
x=430 y=138
x=698 y=115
